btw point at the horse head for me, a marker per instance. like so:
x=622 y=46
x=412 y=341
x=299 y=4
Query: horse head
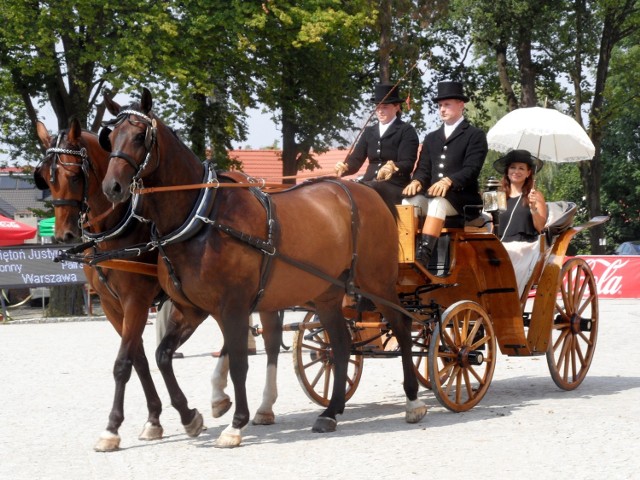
x=130 y=143
x=65 y=171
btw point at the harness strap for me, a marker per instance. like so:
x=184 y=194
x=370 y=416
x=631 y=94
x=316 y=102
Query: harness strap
x=125 y=156
x=270 y=250
x=104 y=280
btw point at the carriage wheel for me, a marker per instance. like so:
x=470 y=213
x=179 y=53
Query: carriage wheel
x=313 y=363
x=420 y=339
x=462 y=356
x=575 y=326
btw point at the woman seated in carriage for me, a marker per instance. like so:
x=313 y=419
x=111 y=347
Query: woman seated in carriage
x=524 y=219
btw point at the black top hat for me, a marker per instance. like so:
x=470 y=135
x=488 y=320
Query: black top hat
x=521 y=156
x=450 y=90
x=387 y=90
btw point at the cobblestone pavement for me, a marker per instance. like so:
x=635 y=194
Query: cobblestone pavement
x=57 y=389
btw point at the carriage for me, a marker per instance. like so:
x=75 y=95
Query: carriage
x=260 y=252
x=465 y=306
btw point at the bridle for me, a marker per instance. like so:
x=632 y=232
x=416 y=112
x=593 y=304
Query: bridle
x=150 y=139
x=85 y=165
x=83 y=204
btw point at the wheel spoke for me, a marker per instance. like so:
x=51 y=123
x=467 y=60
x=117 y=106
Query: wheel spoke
x=452 y=351
x=586 y=302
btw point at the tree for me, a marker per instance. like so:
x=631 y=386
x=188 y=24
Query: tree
x=310 y=63
x=62 y=55
x=535 y=46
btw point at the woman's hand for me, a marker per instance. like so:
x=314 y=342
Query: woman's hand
x=535 y=198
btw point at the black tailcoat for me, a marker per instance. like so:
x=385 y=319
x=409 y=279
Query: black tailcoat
x=459 y=157
x=399 y=143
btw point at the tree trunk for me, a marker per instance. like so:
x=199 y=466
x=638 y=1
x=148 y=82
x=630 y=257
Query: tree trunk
x=527 y=70
x=591 y=172
x=289 y=147
x=503 y=75
x=197 y=129
x=66 y=301
x=384 y=22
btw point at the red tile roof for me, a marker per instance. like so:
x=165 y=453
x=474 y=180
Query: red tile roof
x=267 y=164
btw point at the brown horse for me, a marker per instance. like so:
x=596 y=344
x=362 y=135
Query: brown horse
x=252 y=251
x=73 y=170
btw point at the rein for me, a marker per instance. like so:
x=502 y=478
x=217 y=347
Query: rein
x=200 y=216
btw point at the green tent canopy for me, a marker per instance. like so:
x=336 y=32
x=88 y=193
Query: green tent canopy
x=46 y=227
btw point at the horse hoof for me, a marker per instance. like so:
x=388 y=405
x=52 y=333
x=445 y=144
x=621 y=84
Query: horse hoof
x=151 y=432
x=220 y=407
x=415 y=411
x=324 y=425
x=228 y=440
x=264 y=418
x=108 y=442
x=196 y=426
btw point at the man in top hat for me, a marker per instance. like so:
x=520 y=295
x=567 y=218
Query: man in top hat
x=446 y=178
x=391 y=146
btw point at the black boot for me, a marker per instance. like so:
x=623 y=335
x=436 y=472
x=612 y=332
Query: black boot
x=426 y=243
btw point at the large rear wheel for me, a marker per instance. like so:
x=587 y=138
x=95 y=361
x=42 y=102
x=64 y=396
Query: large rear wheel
x=575 y=326
x=313 y=362
x=462 y=356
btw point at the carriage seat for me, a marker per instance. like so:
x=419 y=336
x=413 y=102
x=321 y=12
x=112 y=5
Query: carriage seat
x=559 y=218
x=471 y=217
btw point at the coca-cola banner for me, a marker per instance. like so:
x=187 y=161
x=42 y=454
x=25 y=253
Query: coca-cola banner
x=617 y=276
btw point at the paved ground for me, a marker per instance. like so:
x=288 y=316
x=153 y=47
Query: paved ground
x=57 y=388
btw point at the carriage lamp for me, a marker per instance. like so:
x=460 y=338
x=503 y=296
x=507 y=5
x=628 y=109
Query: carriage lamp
x=493 y=200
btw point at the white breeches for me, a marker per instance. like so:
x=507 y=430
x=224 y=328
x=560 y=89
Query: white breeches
x=438 y=207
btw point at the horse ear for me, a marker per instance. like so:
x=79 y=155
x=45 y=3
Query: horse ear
x=113 y=107
x=75 y=130
x=104 y=140
x=146 y=101
x=43 y=134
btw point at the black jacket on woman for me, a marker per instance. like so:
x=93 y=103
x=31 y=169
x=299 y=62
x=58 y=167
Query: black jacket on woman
x=459 y=157
x=399 y=143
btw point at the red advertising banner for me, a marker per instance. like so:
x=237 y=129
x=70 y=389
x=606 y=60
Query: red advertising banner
x=617 y=276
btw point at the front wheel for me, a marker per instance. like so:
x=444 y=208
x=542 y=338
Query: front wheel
x=462 y=356
x=575 y=326
x=313 y=362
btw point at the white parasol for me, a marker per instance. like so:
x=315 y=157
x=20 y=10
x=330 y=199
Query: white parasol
x=544 y=132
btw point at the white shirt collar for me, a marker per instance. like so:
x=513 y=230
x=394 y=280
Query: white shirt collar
x=448 y=129
x=383 y=128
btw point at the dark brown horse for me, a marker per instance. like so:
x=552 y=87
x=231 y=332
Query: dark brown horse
x=73 y=170
x=308 y=244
